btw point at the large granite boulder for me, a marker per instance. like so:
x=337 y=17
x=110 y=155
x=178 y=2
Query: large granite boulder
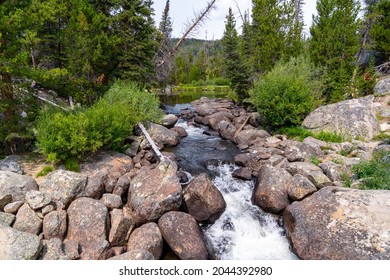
x=88 y=226
x=354 y=118
x=10 y=163
x=203 y=200
x=169 y=120
x=153 y=192
x=339 y=223
x=183 y=235
x=271 y=189
x=16 y=185
x=147 y=237
x=63 y=186
x=300 y=151
x=17 y=245
x=121 y=226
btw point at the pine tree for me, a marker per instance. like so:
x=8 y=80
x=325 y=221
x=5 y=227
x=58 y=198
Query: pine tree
x=334 y=43
x=380 y=31
x=294 y=27
x=236 y=71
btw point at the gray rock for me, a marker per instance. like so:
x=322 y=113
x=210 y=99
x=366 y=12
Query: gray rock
x=315 y=142
x=55 y=225
x=6 y=218
x=332 y=170
x=301 y=168
x=301 y=187
x=13 y=207
x=52 y=250
x=299 y=151
x=133 y=255
x=121 y=227
x=227 y=130
x=16 y=185
x=339 y=223
x=203 y=200
x=183 y=235
x=153 y=192
x=134 y=147
x=17 y=245
x=246 y=137
x=161 y=135
x=319 y=179
x=95 y=186
x=4 y=200
x=63 y=186
x=215 y=119
x=9 y=164
x=242 y=173
x=277 y=161
x=271 y=189
x=37 y=199
x=382 y=87
x=169 y=120
x=354 y=118
x=180 y=131
x=47 y=209
x=147 y=237
x=28 y=221
x=88 y=226
x=111 y=201
x=122 y=185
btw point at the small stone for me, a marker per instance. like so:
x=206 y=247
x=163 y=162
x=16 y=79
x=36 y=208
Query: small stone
x=112 y=201
x=52 y=250
x=147 y=237
x=4 y=200
x=319 y=179
x=54 y=225
x=301 y=187
x=121 y=225
x=47 y=209
x=37 y=199
x=27 y=220
x=6 y=218
x=133 y=255
x=13 y=207
x=242 y=173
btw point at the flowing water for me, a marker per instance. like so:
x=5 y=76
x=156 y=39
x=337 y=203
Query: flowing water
x=244 y=231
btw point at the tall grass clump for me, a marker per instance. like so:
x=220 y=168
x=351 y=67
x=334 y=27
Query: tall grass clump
x=74 y=135
x=288 y=93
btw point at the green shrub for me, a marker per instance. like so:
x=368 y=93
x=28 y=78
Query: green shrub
x=376 y=172
x=288 y=93
x=72 y=165
x=74 y=135
x=46 y=170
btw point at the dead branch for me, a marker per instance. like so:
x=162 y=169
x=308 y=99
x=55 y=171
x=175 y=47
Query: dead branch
x=193 y=25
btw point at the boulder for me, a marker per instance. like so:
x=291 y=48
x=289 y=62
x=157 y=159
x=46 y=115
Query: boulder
x=340 y=224
x=47 y=209
x=299 y=151
x=6 y=218
x=315 y=142
x=242 y=173
x=10 y=164
x=95 y=186
x=183 y=235
x=215 y=119
x=179 y=131
x=88 y=226
x=133 y=255
x=332 y=170
x=13 y=207
x=121 y=226
x=169 y=120
x=300 y=188
x=55 y=225
x=227 y=130
x=134 y=147
x=203 y=200
x=271 y=189
x=63 y=186
x=111 y=201
x=246 y=137
x=153 y=192
x=17 y=245
x=28 y=221
x=71 y=249
x=16 y=185
x=147 y=237
x=161 y=135
x=355 y=118
x=122 y=185
x=382 y=87
x=53 y=250
x=37 y=199
x=4 y=201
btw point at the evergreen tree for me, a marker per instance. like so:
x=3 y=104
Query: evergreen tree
x=294 y=28
x=236 y=71
x=334 y=43
x=380 y=31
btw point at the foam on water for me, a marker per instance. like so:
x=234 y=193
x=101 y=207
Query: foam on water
x=244 y=232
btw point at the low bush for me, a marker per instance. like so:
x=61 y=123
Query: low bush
x=74 y=135
x=376 y=172
x=288 y=93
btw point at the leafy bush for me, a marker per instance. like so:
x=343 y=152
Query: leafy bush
x=74 y=135
x=376 y=172
x=288 y=93
x=72 y=165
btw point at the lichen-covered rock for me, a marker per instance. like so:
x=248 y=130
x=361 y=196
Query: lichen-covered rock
x=183 y=235
x=6 y=218
x=203 y=200
x=147 y=237
x=355 y=118
x=121 y=226
x=37 y=199
x=382 y=87
x=17 y=245
x=133 y=255
x=63 y=186
x=53 y=250
x=227 y=130
x=246 y=137
x=169 y=120
x=153 y=192
x=88 y=226
x=339 y=223
x=13 y=207
x=271 y=189
x=301 y=187
x=161 y=135
x=299 y=151
x=10 y=164
x=16 y=185
x=27 y=220
x=95 y=186
x=55 y=225
x=4 y=200
x=112 y=201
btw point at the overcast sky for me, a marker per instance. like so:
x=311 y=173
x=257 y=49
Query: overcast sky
x=183 y=10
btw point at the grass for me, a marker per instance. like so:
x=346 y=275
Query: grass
x=46 y=170
x=347 y=181
x=376 y=172
x=72 y=165
x=383 y=136
x=315 y=160
x=300 y=133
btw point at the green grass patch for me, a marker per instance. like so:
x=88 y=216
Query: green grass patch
x=46 y=170
x=315 y=160
x=299 y=133
x=383 y=136
x=72 y=165
x=347 y=181
x=376 y=172
x=329 y=137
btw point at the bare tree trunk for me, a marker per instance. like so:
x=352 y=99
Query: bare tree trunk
x=199 y=18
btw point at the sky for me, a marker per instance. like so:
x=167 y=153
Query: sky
x=181 y=11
